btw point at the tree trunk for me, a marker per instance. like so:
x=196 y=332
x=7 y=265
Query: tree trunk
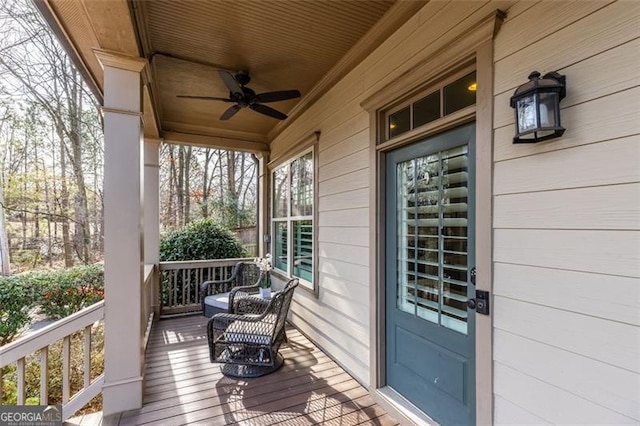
x=49 y=219
x=207 y=180
x=64 y=208
x=232 y=192
x=81 y=234
x=173 y=189
x=5 y=268
x=187 y=186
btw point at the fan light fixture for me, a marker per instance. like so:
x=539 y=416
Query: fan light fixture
x=537 y=108
x=244 y=97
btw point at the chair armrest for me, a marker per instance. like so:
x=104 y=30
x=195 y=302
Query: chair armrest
x=239 y=292
x=204 y=286
x=249 y=305
x=220 y=322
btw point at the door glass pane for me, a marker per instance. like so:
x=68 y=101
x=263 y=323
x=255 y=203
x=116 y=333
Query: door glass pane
x=406 y=255
x=454 y=235
x=280 y=246
x=303 y=249
x=427 y=224
x=280 y=191
x=432 y=225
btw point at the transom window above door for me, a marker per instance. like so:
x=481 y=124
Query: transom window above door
x=450 y=96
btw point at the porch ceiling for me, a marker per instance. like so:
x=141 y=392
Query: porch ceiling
x=292 y=44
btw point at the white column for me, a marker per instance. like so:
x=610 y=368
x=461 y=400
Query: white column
x=123 y=240
x=152 y=212
x=263 y=224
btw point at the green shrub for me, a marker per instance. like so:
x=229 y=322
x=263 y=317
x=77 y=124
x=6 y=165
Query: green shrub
x=68 y=290
x=16 y=300
x=200 y=240
x=58 y=293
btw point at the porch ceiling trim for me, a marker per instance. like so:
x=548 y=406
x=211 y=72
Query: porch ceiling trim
x=118 y=60
x=170 y=126
x=215 y=142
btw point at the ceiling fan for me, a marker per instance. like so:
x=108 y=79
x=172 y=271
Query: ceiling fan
x=244 y=97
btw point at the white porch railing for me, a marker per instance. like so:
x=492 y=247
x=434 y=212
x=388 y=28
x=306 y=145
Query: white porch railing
x=40 y=341
x=148 y=302
x=180 y=283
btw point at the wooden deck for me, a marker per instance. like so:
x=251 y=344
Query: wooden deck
x=183 y=388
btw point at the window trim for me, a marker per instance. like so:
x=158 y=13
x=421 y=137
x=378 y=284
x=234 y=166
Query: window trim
x=310 y=286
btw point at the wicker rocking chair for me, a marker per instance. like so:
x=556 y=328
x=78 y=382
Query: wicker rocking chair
x=218 y=296
x=247 y=343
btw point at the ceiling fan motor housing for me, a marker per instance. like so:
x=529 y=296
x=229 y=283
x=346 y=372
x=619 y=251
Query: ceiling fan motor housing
x=243 y=78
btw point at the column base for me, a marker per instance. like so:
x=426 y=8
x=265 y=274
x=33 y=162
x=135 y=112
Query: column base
x=122 y=396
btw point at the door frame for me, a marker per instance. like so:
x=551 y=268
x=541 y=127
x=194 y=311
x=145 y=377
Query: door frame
x=475 y=48
x=458 y=345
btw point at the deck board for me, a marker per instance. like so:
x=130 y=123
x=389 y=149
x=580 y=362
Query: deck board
x=183 y=387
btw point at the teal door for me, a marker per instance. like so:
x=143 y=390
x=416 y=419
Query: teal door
x=430 y=333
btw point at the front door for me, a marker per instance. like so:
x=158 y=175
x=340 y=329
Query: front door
x=430 y=333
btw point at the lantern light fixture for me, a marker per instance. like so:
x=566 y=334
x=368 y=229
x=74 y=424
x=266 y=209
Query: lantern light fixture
x=537 y=108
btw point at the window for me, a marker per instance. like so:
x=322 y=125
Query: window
x=292 y=221
x=447 y=99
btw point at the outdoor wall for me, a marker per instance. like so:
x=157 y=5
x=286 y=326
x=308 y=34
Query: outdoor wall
x=566 y=212
x=338 y=319
x=566 y=219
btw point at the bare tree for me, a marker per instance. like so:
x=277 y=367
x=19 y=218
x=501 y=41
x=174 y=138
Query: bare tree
x=36 y=68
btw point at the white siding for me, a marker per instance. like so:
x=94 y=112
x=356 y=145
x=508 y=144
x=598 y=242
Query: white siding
x=567 y=221
x=566 y=212
x=338 y=319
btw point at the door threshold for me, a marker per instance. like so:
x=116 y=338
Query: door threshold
x=401 y=408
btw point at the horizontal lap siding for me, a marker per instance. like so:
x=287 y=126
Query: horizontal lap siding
x=567 y=220
x=338 y=320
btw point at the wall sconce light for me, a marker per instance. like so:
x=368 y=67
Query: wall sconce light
x=537 y=105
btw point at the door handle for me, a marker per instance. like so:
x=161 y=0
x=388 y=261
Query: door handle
x=480 y=303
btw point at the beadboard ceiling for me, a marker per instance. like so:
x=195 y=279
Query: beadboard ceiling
x=284 y=44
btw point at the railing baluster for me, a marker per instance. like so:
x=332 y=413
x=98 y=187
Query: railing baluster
x=87 y=356
x=175 y=287
x=21 y=380
x=1 y=391
x=181 y=283
x=199 y=279
x=66 y=369
x=37 y=345
x=188 y=284
x=44 y=376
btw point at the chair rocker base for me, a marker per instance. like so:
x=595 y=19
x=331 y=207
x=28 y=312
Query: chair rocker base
x=244 y=371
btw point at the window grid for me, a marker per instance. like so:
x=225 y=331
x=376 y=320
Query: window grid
x=464 y=96
x=292 y=221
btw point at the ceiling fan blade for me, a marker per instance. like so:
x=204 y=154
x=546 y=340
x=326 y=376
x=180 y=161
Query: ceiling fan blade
x=230 y=81
x=230 y=112
x=266 y=110
x=281 y=95
x=208 y=98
